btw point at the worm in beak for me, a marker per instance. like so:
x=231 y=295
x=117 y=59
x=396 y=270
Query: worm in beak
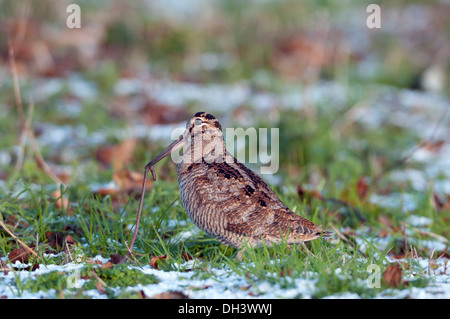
x=169 y=149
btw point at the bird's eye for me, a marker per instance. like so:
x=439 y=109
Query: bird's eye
x=198 y=122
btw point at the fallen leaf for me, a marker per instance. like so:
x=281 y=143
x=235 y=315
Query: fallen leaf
x=61 y=200
x=118 y=156
x=393 y=275
x=154 y=261
x=69 y=239
x=115 y=258
x=107 y=265
x=103 y=192
x=55 y=240
x=383 y=233
x=434 y=147
x=285 y=272
x=186 y=256
x=171 y=295
x=128 y=180
x=13 y=221
x=443 y=254
x=440 y=204
x=386 y=221
x=300 y=56
x=5 y=267
x=155 y=112
x=19 y=254
x=362 y=188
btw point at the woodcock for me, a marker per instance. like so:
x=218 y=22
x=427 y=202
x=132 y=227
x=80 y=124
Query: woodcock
x=225 y=198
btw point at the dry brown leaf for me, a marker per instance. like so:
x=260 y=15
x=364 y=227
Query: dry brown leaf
x=130 y=180
x=186 y=256
x=55 y=240
x=115 y=258
x=440 y=204
x=434 y=147
x=5 y=267
x=386 y=221
x=13 y=221
x=383 y=233
x=19 y=254
x=61 y=201
x=107 y=265
x=393 y=275
x=171 y=295
x=154 y=261
x=155 y=112
x=362 y=188
x=106 y=191
x=118 y=156
x=69 y=239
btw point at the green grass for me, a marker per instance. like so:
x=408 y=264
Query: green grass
x=99 y=229
x=320 y=148
x=101 y=226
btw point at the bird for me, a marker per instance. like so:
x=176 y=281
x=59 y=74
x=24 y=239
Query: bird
x=226 y=199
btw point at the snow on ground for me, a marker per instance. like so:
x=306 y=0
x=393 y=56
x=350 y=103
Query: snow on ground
x=225 y=284
x=390 y=106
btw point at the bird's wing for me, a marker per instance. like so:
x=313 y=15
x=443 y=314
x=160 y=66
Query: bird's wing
x=251 y=207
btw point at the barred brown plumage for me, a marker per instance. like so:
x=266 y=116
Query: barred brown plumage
x=224 y=197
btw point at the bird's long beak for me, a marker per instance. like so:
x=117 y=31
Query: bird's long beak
x=169 y=149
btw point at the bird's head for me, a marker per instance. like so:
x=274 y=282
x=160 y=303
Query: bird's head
x=202 y=140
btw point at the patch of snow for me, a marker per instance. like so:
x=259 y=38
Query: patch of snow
x=419 y=221
x=403 y=201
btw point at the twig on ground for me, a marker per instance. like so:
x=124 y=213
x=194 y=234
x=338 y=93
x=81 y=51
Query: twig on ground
x=28 y=249
x=131 y=253
x=430 y=261
x=25 y=126
x=18 y=99
x=99 y=279
x=428 y=233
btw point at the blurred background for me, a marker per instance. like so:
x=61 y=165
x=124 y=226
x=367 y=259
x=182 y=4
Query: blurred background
x=102 y=99
x=364 y=135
